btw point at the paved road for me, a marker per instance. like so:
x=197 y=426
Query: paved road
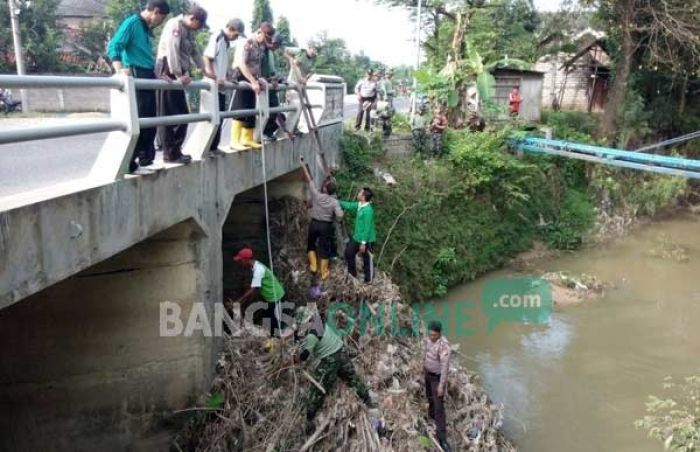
x=36 y=164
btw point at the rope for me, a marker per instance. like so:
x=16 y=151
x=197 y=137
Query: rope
x=278 y=307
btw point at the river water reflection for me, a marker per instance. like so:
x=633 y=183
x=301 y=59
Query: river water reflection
x=580 y=381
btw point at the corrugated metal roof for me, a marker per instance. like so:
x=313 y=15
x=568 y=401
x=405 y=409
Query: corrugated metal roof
x=82 y=8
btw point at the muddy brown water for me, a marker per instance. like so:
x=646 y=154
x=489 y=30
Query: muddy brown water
x=578 y=382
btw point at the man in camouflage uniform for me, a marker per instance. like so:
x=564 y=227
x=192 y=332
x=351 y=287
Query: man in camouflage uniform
x=177 y=54
x=332 y=362
x=247 y=67
x=301 y=68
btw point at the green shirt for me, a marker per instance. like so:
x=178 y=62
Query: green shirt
x=365 y=231
x=303 y=62
x=131 y=44
x=268 y=68
x=270 y=288
x=326 y=346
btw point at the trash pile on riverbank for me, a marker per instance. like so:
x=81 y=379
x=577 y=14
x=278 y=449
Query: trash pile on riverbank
x=570 y=289
x=257 y=399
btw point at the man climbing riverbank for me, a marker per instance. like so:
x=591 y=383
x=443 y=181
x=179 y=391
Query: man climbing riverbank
x=325 y=210
x=266 y=284
x=364 y=235
x=435 y=368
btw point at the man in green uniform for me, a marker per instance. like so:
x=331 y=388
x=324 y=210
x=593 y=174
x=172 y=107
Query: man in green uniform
x=301 y=68
x=267 y=285
x=364 y=235
x=332 y=362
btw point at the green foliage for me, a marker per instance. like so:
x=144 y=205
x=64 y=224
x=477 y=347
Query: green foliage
x=401 y=123
x=40 y=33
x=505 y=28
x=215 y=401
x=262 y=12
x=576 y=217
x=572 y=125
x=359 y=152
x=285 y=32
x=674 y=419
x=633 y=124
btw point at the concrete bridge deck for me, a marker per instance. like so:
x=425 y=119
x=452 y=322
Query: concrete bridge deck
x=84 y=268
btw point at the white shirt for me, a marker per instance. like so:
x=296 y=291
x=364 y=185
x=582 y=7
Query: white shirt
x=258 y=274
x=217 y=50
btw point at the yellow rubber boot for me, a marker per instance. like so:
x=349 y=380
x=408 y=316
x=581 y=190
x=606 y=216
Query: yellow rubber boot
x=236 y=130
x=313 y=265
x=325 y=269
x=248 y=139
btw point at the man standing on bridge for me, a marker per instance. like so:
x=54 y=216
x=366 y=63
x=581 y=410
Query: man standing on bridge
x=131 y=54
x=177 y=53
x=301 y=68
x=247 y=67
x=216 y=59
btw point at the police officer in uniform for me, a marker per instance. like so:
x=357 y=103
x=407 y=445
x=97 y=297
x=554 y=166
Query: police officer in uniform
x=177 y=53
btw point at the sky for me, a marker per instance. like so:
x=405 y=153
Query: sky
x=386 y=35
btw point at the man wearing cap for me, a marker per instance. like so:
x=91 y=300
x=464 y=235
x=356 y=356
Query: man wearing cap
x=131 y=54
x=264 y=283
x=177 y=53
x=366 y=91
x=301 y=68
x=216 y=62
x=387 y=92
x=247 y=67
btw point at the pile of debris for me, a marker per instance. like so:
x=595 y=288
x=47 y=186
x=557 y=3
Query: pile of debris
x=257 y=399
x=570 y=289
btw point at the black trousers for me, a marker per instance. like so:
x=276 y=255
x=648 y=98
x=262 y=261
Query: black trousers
x=320 y=238
x=436 y=407
x=145 y=149
x=217 y=137
x=272 y=124
x=351 y=254
x=361 y=113
x=244 y=99
x=276 y=325
x=170 y=103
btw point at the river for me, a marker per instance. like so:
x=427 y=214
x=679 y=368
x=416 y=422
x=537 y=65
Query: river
x=578 y=382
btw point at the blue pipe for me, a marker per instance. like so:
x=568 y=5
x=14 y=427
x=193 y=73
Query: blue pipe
x=600 y=151
x=610 y=161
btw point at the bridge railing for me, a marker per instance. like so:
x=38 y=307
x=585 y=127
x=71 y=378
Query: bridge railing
x=124 y=125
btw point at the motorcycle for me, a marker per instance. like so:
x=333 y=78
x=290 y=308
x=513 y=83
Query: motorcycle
x=7 y=103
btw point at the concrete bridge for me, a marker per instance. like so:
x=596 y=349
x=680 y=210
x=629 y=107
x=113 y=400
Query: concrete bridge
x=85 y=265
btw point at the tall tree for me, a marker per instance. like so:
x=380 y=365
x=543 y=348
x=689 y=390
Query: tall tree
x=262 y=12
x=661 y=35
x=41 y=35
x=285 y=32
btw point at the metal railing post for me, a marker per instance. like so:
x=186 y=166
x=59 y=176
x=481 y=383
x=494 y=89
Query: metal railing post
x=199 y=141
x=263 y=108
x=113 y=160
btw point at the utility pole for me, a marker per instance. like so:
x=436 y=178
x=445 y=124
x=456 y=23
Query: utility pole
x=19 y=56
x=415 y=81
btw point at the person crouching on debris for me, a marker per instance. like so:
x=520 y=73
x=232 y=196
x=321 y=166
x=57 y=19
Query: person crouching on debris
x=435 y=368
x=267 y=285
x=325 y=208
x=331 y=362
x=364 y=236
